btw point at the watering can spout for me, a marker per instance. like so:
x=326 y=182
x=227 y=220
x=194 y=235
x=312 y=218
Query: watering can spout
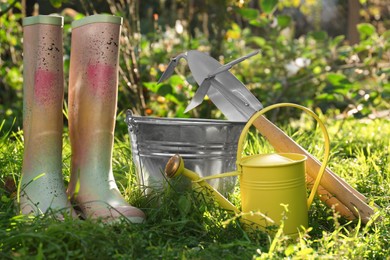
x=175 y=167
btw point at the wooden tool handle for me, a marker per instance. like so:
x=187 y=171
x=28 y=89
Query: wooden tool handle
x=330 y=200
x=334 y=185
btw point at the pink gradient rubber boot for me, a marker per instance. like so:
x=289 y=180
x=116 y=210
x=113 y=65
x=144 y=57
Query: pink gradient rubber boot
x=93 y=90
x=42 y=186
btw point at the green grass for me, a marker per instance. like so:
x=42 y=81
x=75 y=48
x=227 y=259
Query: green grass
x=183 y=224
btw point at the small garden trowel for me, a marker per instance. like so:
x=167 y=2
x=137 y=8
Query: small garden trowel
x=237 y=103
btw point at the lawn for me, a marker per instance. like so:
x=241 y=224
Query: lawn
x=183 y=224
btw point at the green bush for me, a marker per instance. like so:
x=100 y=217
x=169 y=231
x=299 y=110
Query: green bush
x=11 y=77
x=314 y=70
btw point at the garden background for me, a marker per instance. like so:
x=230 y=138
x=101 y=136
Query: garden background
x=332 y=56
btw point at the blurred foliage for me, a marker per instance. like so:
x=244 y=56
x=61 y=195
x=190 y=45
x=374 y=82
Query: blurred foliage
x=314 y=70
x=308 y=67
x=11 y=77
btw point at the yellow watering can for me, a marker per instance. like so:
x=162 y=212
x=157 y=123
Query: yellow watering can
x=269 y=183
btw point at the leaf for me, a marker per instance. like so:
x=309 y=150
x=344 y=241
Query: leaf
x=317 y=70
x=284 y=21
x=343 y=90
x=268 y=6
x=338 y=79
x=14 y=76
x=175 y=80
x=56 y=3
x=5 y=199
x=256 y=23
x=305 y=252
x=248 y=13
x=325 y=97
x=259 y=41
x=234 y=32
x=289 y=250
x=173 y=99
x=184 y=205
x=319 y=36
x=386 y=34
x=164 y=90
x=152 y=86
x=337 y=40
x=366 y=30
x=79 y=16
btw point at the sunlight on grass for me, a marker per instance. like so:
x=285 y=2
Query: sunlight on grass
x=186 y=224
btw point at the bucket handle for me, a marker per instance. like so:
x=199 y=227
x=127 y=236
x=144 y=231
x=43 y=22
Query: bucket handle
x=305 y=109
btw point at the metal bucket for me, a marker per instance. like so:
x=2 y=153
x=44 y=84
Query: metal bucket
x=208 y=147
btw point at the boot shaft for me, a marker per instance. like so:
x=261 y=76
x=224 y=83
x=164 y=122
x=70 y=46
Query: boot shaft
x=93 y=77
x=43 y=85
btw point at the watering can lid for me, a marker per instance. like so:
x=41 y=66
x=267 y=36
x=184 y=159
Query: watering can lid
x=269 y=160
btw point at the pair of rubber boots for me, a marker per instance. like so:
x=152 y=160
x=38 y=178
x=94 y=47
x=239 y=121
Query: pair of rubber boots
x=93 y=91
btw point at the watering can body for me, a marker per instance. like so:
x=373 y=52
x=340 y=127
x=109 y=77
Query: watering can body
x=274 y=184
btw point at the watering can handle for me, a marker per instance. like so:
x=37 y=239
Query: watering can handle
x=324 y=131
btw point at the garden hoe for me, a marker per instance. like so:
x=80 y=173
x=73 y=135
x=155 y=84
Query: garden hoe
x=237 y=103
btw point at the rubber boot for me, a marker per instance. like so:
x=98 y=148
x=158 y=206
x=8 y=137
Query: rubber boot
x=42 y=186
x=93 y=90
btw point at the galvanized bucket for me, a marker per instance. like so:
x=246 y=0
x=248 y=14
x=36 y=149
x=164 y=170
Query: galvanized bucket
x=208 y=147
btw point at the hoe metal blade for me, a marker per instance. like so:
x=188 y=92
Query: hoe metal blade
x=229 y=65
x=229 y=95
x=199 y=95
x=171 y=67
x=205 y=85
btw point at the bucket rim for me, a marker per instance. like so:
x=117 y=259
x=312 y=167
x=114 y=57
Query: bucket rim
x=130 y=119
